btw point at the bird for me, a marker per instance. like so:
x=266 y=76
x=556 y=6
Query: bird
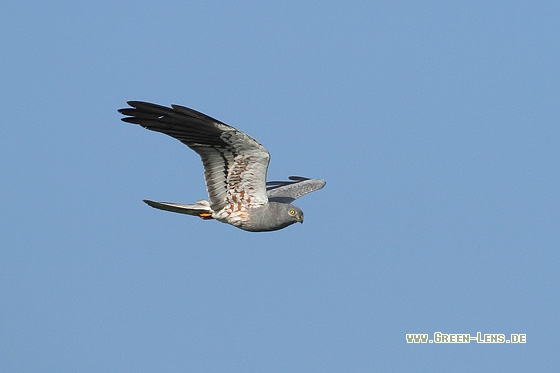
x=235 y=167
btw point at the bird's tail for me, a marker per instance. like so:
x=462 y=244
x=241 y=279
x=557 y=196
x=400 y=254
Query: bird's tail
x=201 y=208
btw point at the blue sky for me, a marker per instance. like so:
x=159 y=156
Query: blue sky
x=435 y=124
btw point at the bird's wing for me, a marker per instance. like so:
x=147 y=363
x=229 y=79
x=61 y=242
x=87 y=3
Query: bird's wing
x=288 y=191
x=235 y=164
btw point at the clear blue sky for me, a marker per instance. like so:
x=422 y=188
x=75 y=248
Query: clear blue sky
x=435 y=124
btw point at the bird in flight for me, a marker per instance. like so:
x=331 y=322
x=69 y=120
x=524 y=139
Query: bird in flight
x=235 y=168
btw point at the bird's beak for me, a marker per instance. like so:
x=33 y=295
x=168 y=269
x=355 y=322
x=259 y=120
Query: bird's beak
x=300 y=219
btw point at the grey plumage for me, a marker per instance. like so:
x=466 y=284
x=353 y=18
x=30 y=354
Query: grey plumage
x=289 y=191
x=235 y=168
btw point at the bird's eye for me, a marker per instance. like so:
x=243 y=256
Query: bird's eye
x=292 y=212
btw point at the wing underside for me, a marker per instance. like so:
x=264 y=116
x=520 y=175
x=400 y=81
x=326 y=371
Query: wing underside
x=234 y=163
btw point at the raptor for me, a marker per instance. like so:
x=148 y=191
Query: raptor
x=235 y=167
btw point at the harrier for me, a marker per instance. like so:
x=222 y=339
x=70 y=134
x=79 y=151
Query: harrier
x=235 y=168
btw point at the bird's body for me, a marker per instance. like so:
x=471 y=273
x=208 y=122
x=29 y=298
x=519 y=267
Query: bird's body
x=235 y=168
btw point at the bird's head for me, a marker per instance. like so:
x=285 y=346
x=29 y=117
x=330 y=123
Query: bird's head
x=294 y=213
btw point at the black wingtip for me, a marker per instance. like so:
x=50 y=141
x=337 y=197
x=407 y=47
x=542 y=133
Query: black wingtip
x=135 y=103
x=298 y=178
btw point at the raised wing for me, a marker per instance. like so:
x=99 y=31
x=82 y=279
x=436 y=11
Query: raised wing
x=288 y=191
x=235 y=164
